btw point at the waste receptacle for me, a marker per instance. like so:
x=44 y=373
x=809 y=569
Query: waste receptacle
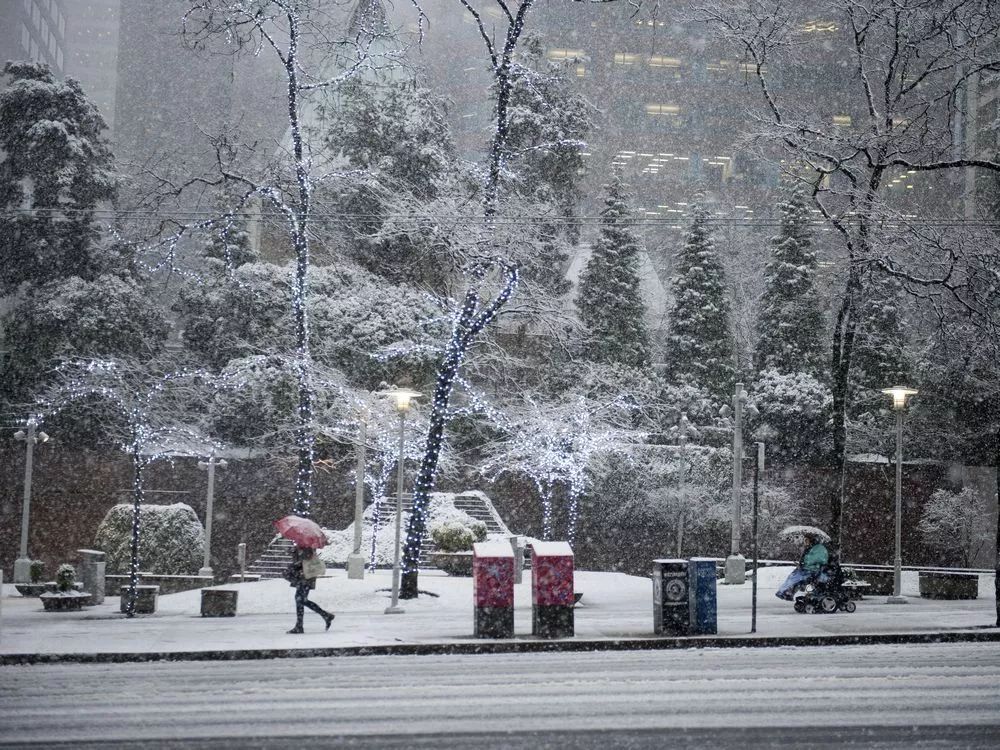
x=493 y=589
x=671 y=606
x=552 y=597
x=702 y=587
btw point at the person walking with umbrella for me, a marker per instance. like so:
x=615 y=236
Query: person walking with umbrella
x=305 y=567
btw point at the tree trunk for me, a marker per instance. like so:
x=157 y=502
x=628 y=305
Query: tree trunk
x=996 y=578
x=137 y=500
x=417 y=525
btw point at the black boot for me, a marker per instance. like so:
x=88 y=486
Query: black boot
x=298 y=629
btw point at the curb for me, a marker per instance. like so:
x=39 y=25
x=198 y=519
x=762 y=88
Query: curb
x=515 y=646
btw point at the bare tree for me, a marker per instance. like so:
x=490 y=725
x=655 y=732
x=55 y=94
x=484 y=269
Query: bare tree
x=911 y=63
x=147 y=414
x=313 y=59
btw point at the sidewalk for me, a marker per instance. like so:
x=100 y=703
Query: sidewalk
x=616 y=611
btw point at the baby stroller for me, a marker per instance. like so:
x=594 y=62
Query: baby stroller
x=826 y=593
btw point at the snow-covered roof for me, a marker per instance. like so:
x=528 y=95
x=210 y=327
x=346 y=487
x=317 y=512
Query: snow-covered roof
x=492 y=549
x=552 y=549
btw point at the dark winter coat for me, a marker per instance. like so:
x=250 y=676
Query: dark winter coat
x=293 y=573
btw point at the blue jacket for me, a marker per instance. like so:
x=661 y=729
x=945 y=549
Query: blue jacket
x=815 y=558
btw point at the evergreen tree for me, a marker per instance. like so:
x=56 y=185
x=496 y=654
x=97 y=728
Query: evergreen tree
x=75 y=295
x=609 y=300
x=699 y=347
x=55 y=170
x=880 y=357
x=790 y=326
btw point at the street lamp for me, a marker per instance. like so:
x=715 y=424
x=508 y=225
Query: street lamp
x=355 y=560
x=684 y=431
x=899 y=395
x=402 y=399
x=210 y=465
x=22 y=566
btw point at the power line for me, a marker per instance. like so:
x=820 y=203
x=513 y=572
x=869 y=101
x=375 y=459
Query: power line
x=650 y=219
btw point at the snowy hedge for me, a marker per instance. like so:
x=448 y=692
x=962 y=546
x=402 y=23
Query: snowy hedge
x=171 y=540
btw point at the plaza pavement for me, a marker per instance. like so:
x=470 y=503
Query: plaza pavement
x=615 y=612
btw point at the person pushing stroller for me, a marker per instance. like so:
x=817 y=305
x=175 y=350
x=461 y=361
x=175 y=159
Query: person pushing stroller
x=813 y=559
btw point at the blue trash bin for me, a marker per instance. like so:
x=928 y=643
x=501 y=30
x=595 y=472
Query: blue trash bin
x=702 y=600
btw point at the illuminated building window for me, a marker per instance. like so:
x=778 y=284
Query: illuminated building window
x=719 y=66
x=626 y=58
x=659 y=61
x=668 y=110
x=580 y=71
x=556 y=54
x=818 y=27
x=842 y=121
x=751 y=68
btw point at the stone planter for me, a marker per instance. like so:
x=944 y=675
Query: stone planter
x=218 y=602
x=949 y=586
x=33 y=589
x=880 y=582
x=64 y=601
x=145 y=599
x=453 y=563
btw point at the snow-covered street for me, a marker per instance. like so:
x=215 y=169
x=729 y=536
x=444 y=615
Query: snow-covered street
x=949 y=691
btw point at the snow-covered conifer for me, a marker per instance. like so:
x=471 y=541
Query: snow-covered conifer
x=699 y=347
x=790 y=326
x=609 y=299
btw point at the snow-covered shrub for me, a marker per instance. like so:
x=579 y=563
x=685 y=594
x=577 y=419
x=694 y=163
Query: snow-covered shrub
x=171 y=542
x=36 y=570
x=65 y=577
x=955 y=524
x=796 y=407
x=454 y=536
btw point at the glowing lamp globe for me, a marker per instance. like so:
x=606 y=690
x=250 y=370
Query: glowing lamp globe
x=899 y=395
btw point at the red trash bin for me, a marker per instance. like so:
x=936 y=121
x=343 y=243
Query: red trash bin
x=493 y=589
x=552 y=597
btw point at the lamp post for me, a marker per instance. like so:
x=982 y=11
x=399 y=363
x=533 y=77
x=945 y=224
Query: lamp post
x=402 y=399
x=899 y=395
x=355 y=560
x=210 y=465
x=736 y=568
x=684 y=431
x=30 y=436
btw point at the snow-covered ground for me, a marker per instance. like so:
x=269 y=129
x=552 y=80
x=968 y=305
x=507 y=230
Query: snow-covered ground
x=614 y=605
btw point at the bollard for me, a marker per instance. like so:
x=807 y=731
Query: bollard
x=493 y=590
x=92 y=567
x=552 y=590
x=518 y=548
x=671 y=605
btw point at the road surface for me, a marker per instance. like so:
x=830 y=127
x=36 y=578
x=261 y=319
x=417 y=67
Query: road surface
x=860 y=696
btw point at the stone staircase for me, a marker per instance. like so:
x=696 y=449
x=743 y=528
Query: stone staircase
x=476 y=505
x=275 y=560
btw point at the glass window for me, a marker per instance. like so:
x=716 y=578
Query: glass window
x=659 y=61
x=626 y=58
x=564 y=54
x=668 y=110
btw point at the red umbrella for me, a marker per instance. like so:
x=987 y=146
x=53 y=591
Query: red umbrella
x=302 y=531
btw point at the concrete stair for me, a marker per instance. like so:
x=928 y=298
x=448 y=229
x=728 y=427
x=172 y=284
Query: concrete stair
x=275 y=560
x=476 y=505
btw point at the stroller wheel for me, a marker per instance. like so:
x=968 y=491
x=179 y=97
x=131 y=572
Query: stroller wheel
x=810 y=609
x=800 y=606
x=828 y=604
x=850 y=606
